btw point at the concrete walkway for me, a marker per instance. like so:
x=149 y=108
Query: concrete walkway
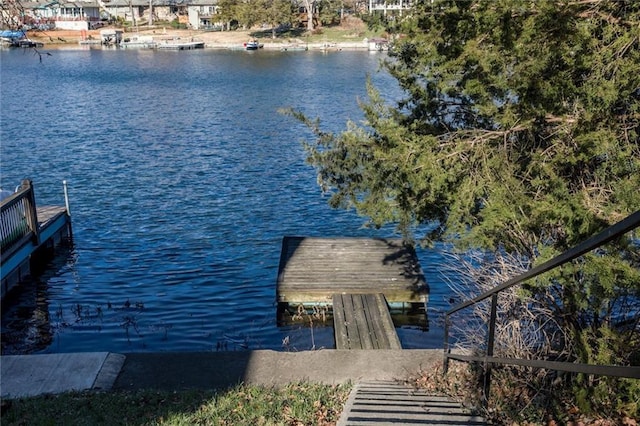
x=28 y=375
x=31 y=375
x=378 y=398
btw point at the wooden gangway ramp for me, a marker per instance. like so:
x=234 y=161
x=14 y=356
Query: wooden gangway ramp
x=312 y=270
x=362 y=321
x=358 y=277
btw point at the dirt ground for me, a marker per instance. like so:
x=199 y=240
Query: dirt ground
x=221 y=39
x=59 y=38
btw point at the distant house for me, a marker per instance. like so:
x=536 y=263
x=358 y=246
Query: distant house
x=202 y=14
x=389 y=6
x=197 y=14
x=68 y=15
x=139 y=11
x=88 y=14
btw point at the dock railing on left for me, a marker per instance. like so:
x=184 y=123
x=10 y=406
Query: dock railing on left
x=29 y=234
x=18 y=220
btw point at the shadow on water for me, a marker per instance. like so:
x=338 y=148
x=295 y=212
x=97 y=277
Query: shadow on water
x=314 y=324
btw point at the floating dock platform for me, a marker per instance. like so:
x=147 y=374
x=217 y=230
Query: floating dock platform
x=311 y=270
x=359 y=278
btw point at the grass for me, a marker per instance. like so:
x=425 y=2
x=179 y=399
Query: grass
x=325 y=34
x=354 y=30
x=295 y=404
x=337 y=34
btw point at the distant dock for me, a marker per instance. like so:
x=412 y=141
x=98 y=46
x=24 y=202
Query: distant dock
x=359 y=278
x=26 y=232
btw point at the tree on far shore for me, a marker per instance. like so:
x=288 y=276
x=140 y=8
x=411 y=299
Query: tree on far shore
x=226 y=12
x=310 y=6
x=249 y=13
x=276 y=13
x=10 y=13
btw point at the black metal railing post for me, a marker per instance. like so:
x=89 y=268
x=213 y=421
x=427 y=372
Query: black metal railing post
x=445 y=364
x=491 y=336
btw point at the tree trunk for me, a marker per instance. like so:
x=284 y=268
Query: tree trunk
x=309 y=4
x=310 y=18
x=133 y=16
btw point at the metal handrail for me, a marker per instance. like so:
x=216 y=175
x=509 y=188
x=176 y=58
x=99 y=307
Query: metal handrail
x=628 y=224
x=571 y=367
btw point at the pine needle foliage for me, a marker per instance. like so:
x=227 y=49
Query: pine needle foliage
x=519 y=125
x=517 y=132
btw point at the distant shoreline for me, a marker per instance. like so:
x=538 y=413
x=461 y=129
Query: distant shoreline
x=220 y=40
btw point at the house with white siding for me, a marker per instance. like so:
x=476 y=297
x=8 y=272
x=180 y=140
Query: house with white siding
x=202 y=14
x=63 y=14
x=197 y=14
x=389 y=6
x=139 y=11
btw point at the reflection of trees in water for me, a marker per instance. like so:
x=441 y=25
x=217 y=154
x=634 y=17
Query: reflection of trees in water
x=26 y=326
x=26 y=323
x=88 y=317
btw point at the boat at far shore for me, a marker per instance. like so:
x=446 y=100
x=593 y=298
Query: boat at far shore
x=252 y=45
x=139 y=42
x=179 y=44
x=17 y=39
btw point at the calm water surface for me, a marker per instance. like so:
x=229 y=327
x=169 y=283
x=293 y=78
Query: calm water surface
x=183 y=179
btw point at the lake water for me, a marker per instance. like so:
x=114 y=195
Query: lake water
x=183 y=179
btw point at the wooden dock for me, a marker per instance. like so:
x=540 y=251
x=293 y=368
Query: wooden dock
x=313 y=269
x=27 y=232
x=358 y=277
x=362 y=321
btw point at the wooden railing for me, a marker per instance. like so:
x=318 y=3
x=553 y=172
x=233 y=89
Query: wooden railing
x=18 y=220
x=488 y=360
